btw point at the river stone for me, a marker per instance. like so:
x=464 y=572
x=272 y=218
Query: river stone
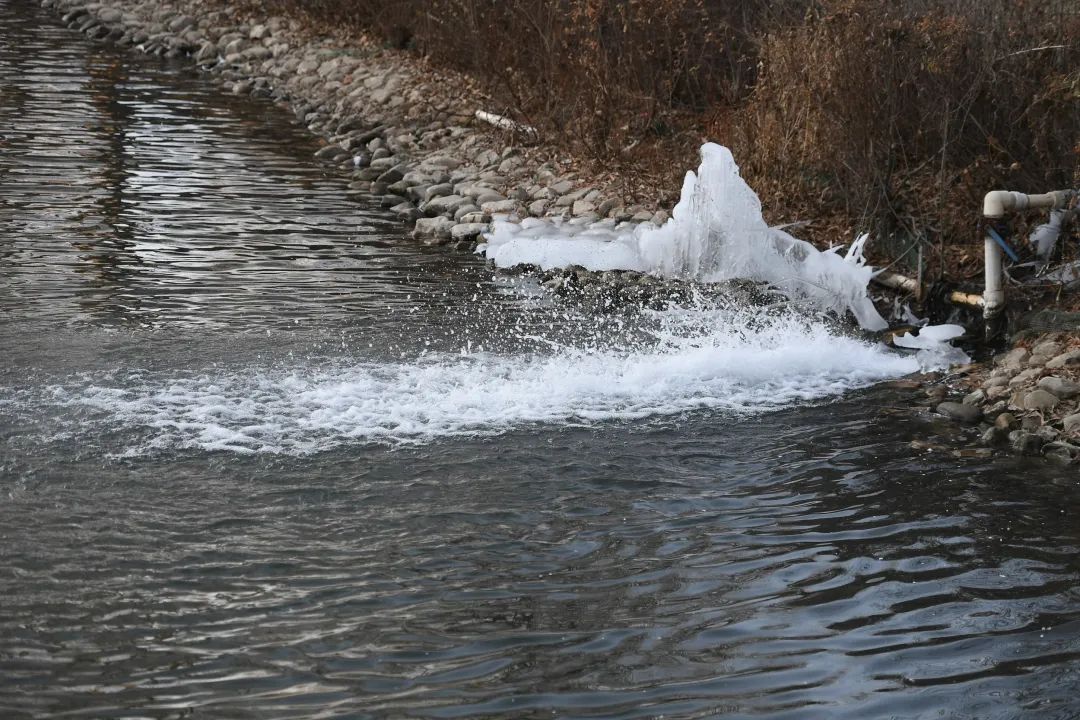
x=974 y=398
x=496 y=207
x=443 y=205
x=468 y=231
x=1040 y=399
x=1060 y=452
x=537 y=208
x=1024 y=442
x=583 y=207
x=392 y=175
x=475 y=217
x=1071 y=422
x=1046 y=347
x=436 y=227
x=1047 y=433
x=994 y=436
x=1025 y=376
x=467 y=209
x=488 y=195
x=110 y=15
x=1066 y=359
x=1015 y=358
x=389 y=201
x=406 y=211
x=440 y=190
x=181 y=22
x=1063 y=389
x=996 y=381
x=966 y=414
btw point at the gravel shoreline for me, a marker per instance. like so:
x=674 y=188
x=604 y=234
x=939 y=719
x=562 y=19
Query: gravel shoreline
x=408 y=135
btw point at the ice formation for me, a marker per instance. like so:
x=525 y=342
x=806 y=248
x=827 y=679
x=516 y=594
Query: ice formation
x=716 y=232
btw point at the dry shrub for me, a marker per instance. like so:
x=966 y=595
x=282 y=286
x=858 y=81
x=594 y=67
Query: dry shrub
x=900 y=115
x=887 y=115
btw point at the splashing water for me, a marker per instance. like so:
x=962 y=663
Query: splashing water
x=735 y=361
x=716 y=232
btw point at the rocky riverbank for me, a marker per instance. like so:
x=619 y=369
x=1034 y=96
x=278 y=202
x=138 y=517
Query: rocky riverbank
x=403 y=132
x=1025 y=401
x=408 y=134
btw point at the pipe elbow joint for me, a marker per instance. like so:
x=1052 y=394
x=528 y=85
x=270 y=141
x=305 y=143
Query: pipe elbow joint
x=998 y=202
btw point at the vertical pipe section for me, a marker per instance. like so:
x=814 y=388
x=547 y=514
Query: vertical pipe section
x=995 y=205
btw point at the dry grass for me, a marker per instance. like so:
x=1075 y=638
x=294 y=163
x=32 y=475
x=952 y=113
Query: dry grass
x=856 y=114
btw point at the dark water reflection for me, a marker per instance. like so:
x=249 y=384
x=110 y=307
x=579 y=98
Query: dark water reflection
x=798 y=564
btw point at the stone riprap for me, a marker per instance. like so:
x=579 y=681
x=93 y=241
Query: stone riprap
x=402 y=131
x=1026 y=401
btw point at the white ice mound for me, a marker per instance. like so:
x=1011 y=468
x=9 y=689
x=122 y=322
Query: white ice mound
x=934 y=346
x=715 y=233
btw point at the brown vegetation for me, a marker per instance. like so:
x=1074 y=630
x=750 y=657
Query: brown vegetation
x=856 y=114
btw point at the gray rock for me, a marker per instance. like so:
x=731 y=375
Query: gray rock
x=562 y=187
x=444 y=205
x=1063 y=389
x=642 y=216
x=468 y=231
x=1047 y=433
x=1024 y=442
x=537 y=207
x=996 y=381
x=583 y=207
x=1015 y=358
x=994 y=436
x=1031 y=423
x=1066 y=359
x=485 y=158
x=181 y=22
x=389 y=201
x=605 y=207
x=1025 y=376
x=1060 y=452
x=1049 y=348
x=1040 y=399
x=436 y=227
x=466 y=209
x=440 y=190
x=487 y=196
x=975 y=398
x=966 y=414
x=406 y=211
x=498 y=207
x=475 y=217
x=394 y=174
x=259 y=32
x=1071 y=423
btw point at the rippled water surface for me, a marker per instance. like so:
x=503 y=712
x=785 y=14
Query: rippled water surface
x=261 y=456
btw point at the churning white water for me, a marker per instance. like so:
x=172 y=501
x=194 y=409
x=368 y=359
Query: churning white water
x=716 y=232
x=705 y=357
x=738 y=362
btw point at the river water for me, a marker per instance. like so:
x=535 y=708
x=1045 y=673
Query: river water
x=261 y=456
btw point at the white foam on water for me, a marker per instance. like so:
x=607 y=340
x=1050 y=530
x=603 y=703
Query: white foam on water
x=716 y=232
x=698 y=360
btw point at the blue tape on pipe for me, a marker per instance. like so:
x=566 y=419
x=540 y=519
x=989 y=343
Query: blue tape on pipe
x=1004 y=245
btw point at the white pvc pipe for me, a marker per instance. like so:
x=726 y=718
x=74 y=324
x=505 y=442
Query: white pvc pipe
x=995 y=204
x=994 y=291
x=998 y=202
